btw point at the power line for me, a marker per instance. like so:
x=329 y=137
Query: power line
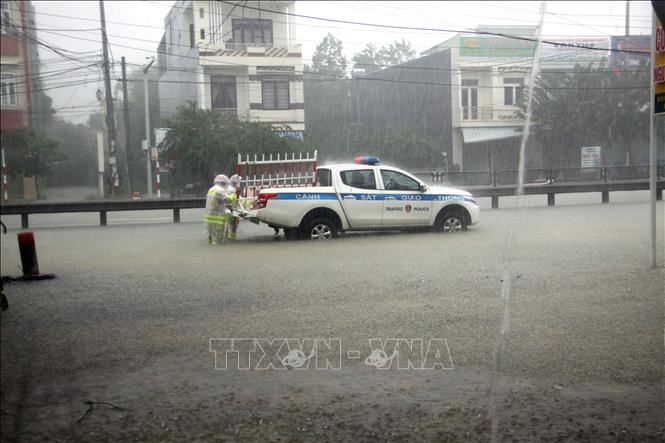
x=379 y=25
x=299 y=72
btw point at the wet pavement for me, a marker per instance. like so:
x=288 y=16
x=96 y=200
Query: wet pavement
x=118 y=346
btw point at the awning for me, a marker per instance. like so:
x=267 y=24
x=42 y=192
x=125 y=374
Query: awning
x=475 y=135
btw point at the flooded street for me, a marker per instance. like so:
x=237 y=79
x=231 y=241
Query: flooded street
x=128 y=321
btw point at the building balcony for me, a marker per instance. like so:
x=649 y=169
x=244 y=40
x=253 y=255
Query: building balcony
x=488 y=114
x=232 y=49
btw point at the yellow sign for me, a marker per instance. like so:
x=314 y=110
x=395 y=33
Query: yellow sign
x=659 y=69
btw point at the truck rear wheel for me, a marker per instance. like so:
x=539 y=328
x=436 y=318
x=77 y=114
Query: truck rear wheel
x=320 y=229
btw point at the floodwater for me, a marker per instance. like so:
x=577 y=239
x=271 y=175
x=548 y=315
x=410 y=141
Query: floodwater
x=129 y=319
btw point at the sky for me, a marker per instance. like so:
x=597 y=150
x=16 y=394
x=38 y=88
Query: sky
x=135 y=27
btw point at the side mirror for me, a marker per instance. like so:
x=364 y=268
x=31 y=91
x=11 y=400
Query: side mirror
x=423 y=187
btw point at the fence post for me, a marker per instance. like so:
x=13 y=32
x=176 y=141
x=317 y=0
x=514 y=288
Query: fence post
x=605 y=196
x=176 y=215
x=603 y=174
x=102 y=218
x=550 y=176
x=493 y=178
x=24 y=220
x=495 y=202
x=550 y=199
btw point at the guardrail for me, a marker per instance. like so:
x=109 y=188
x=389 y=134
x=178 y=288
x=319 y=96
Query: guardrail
x=101 y=206
x=541 y=175
x=176 y=204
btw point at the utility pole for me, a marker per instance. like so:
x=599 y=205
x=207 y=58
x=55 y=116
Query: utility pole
x=148 y=153
x=125 y=105
x=627 y=18
x=110 y=121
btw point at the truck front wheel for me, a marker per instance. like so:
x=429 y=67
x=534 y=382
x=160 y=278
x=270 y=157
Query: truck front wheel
x=320 y=229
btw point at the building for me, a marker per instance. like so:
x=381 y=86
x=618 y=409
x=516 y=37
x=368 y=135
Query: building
x=243 y=59
x=19 y=63
x=489 y=74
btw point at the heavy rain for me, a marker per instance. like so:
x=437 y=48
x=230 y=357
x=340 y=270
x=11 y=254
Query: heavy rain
x=335 y=221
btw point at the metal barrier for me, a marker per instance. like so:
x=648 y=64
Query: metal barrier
x=105 y=206
x=541 y=175
x=275 y=172
x=102 y=206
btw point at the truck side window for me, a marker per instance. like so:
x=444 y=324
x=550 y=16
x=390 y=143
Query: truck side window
x=323 y=177
x=395 y=181
x=359 y=178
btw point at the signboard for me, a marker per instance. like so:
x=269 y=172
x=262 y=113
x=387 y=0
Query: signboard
x=495 y=47
x=639 y=43
x=160 y=135
x=590 y=157
x=291 y=134
x=566 y=53
x=659 y=70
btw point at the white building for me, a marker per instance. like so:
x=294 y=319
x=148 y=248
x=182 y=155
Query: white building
x=488 y=76
x=242 y=59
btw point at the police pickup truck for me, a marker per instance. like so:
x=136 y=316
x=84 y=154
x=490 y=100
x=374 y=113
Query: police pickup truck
x=364 y=196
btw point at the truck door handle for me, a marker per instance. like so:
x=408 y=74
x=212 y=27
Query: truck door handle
x=390 y=199
x=349 y=197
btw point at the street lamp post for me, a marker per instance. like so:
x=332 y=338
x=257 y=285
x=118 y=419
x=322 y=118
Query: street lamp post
x=148 y=166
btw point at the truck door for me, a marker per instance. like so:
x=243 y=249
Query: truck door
x=404 y=204
x=361 y=198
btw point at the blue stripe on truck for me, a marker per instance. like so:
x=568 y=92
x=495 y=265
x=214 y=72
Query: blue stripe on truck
x=372 y=196
x=306 y=196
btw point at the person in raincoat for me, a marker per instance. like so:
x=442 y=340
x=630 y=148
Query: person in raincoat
x=232 y=221
x=216 y=209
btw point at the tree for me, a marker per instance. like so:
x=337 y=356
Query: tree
x=372 y=59
x=29 y=154
x=369 y=59
x=205 y=142
x=591 y=107
x=328 y=58
x=77 y=142
x=398 y=52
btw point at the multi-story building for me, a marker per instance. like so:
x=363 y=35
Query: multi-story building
x=243 y=59
x=489 y=73
x=18 y=63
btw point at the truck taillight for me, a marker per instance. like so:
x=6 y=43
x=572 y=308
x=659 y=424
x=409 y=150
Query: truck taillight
x=262 y=200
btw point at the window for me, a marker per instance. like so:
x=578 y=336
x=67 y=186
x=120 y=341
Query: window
x=201 y=12
x=359 y=178
x=252 y=31
x=275 y=92
x=513 y=90
x=8 y=89
x=5 y=17
x=470 y=99
x=323 y=177
x=396 y=181
x=223 y=90
x=192 y=36
x=203 y=34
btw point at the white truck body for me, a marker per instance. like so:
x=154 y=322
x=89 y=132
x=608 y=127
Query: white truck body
x=364 y=197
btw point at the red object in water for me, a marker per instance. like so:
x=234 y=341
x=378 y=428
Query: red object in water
x=26 y=245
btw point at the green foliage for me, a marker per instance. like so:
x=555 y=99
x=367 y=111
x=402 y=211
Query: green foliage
x=204 y=142
x=592 y=107
x=372 y=59
x=78 y=143
x=328 y=58
x=28 y=153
